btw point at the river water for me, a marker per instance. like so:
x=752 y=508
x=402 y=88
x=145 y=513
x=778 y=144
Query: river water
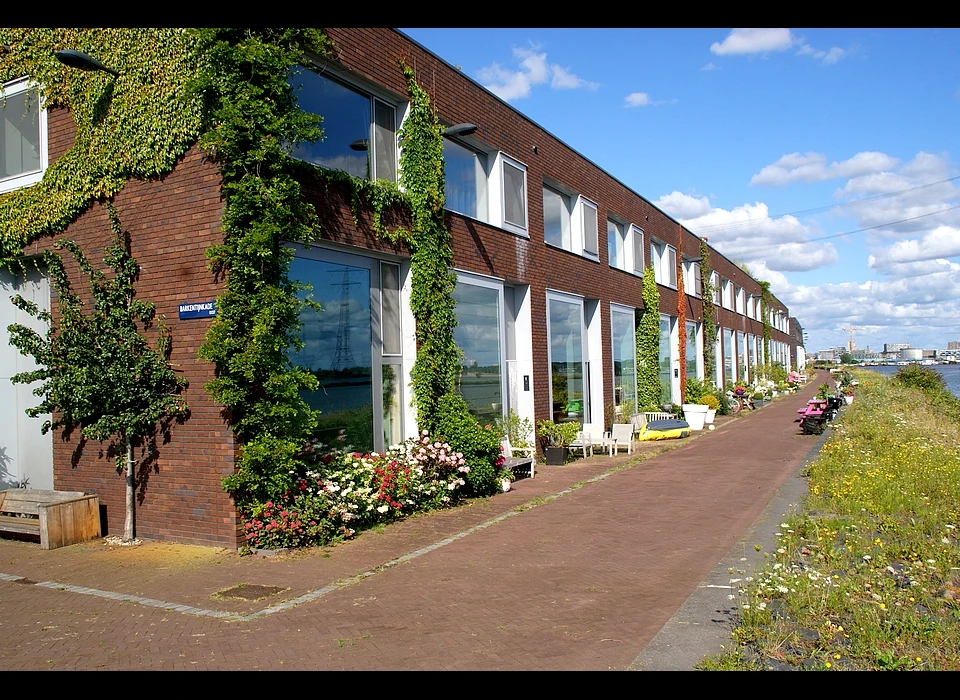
x=950 y=374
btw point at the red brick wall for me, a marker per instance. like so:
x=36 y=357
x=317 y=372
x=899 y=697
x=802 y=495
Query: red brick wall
x=171 y=223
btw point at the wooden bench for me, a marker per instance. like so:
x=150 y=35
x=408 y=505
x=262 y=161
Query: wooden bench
x=62 y=517
x=516 y=464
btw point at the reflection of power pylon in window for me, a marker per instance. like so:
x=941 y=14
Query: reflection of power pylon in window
x=344 y=356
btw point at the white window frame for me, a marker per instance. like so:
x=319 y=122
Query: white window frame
x=13 y=182
x=587 y=214
x=566 y=218
x=692 y=283
x=498 y=183
x=636 y=233
x=740 y=300
x=726 y=293
x=664 y=259
x=621 y=236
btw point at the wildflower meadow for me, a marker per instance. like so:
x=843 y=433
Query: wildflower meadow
x=868 y=575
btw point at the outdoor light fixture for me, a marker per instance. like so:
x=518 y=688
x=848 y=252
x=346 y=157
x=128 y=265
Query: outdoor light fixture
x=360 y=145
x=78 y=59
x=460 y=130
x=693 y=260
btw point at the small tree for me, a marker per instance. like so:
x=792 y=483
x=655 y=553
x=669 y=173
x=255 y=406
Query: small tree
x=98 y=373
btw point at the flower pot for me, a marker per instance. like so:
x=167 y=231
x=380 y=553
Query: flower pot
x=711 y=414
x=505 y=485
x=848 y=399
x=695 y=414
x=556 y=456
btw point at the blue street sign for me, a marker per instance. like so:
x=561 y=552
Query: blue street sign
x=198 y=309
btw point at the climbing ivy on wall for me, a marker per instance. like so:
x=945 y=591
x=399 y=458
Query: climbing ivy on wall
x=434 y=372
x=765 y=298
x=252 y=119
x=648 y=345
x=709 y=312
x=136 y=125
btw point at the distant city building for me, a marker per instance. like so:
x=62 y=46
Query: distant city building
x=953 y=345
x=895 y=347
x=911 y=354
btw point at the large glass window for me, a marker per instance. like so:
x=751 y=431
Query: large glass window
x=742 y=371
x=465 y=180
x=566 y=330
x=693 y=351
x=23 y=154
x=359 y=130
x=624 y=359
x=666 y=380
x=353 y=347
x=728 y=355
x=480 y=338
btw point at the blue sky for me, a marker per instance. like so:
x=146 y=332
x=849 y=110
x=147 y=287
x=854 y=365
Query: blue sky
x=771 y=143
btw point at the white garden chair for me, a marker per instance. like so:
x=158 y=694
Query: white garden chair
x=620 y=436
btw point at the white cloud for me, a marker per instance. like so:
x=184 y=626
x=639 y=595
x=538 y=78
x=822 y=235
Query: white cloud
x=813 y=167
x=744 y=41
x=710 y=66
x=942 y=242
x=826 y=58
x=749 y=234
x=533 y=69
x=637 y=99
x=565 y=80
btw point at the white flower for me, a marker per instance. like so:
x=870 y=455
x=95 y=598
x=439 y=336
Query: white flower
x=867 y=557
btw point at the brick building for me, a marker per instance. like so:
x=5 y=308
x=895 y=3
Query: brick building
x=549 y=253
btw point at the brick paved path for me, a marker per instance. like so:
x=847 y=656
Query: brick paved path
x=579 y=580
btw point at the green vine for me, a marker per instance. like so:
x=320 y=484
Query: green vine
x=253 y=117
x=434 y=372
x=649 y=391
x=709 y=312
x=765 y=298
x=134 y=126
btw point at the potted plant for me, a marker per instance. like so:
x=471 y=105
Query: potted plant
x=848 y=395
x=712 y=403
x=695 y=414
x=506 y=479
x=555 y=439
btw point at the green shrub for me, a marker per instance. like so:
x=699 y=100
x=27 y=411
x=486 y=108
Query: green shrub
x=710 y=401
x=695 y=389
x=480 y=445
x=918 y=377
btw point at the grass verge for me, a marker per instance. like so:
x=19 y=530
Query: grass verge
x=868 y=575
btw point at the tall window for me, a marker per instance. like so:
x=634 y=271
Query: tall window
x=568 y=395
x=479 y=336
x=693 y=351
x=624 y=359
x=359 y=130
x=23 y=136
x=666 y=380
x=353 y=347
x=588 y=226
x=514 y=196
x=728 y=356
x=637 y=249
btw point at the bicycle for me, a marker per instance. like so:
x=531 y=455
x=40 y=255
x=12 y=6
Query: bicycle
x=739 y=403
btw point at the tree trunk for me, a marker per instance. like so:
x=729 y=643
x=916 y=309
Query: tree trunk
x=128 y=523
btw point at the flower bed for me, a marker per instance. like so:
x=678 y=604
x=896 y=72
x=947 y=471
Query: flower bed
x=349 y=491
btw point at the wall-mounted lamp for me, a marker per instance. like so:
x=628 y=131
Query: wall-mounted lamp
x=360 y=145
x=78 y=59
x=460 y=130
x=693 y=260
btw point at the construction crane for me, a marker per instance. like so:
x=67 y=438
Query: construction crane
x=850 y=345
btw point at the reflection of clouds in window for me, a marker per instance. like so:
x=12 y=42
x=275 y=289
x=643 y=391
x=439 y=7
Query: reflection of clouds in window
x=565 y=329
x=478 y=330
